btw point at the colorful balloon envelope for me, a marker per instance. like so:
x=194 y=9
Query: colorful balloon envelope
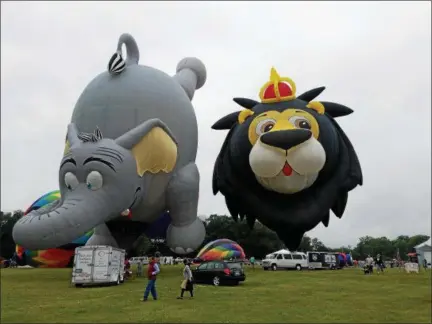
x=222 y=249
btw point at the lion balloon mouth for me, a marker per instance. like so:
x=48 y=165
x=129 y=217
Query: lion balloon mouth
x=287 y=170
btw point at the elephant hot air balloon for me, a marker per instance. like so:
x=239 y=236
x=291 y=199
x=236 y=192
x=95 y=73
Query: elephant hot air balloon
x=130 y=150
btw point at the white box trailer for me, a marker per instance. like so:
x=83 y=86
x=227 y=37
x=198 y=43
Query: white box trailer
x=97 y=265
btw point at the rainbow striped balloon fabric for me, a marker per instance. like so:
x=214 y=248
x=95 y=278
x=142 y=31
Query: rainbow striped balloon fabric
x=52 y=258
x=44 y=200
x=222 y=249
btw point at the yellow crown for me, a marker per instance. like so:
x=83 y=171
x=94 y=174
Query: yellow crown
x=277 y=89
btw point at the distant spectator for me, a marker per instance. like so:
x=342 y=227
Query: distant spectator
x=379 y=263
x=369 y=264
x=425 y=263
x=139 y=268
x=252 y=262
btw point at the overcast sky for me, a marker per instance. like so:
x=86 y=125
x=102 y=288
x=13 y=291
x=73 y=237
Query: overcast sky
x=374 y=57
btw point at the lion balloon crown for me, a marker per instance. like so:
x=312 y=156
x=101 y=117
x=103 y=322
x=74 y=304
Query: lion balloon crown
x=277 y=89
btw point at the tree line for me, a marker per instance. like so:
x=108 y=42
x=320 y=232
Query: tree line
x=257 y=242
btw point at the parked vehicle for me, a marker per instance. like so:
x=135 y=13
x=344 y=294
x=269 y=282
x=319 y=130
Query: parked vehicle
x=144 y=260
x=178 y=260
x=219 y=272
x=285 y=259
x=97 y=265
x=323 y=260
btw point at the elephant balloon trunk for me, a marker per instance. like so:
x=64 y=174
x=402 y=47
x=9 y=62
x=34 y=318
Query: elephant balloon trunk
x=57 y=224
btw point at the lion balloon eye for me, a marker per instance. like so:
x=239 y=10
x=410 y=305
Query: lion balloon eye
x=300 y=122
x=94 y=180
x=265 y=126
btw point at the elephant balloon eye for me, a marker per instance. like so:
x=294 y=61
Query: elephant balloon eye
x=71 y=181
x=94 y=180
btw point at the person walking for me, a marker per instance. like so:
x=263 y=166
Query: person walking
x=425 y=263
x=187 y=283
x=369 y=264
x=139 y=268
x=252 y=262
x=152 y=272
x=379 y=264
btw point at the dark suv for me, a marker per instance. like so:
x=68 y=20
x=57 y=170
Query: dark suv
x=219 y=272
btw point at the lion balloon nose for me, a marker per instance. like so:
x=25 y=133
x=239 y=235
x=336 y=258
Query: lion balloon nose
x=286 y=139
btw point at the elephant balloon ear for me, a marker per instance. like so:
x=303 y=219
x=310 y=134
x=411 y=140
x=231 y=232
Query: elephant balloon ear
x=153 y=146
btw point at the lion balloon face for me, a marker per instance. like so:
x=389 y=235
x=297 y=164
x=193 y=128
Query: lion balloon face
x=286 y=155
x=285 y=161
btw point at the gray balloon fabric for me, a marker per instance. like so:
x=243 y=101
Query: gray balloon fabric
x=131 y=145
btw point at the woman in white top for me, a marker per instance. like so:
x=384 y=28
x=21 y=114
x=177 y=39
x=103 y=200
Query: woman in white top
x=187 y=284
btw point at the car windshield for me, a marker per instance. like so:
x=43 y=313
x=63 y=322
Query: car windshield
x=234 y=265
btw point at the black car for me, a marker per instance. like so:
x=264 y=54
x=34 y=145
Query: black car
x=219 y=272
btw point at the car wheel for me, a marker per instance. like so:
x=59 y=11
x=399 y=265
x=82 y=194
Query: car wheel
x=265 y=269
x=216 y=281
x=78 y=285
x=298 y=267
x=118 y=281
x=274 y=267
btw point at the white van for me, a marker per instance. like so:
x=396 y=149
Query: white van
x=285 y=259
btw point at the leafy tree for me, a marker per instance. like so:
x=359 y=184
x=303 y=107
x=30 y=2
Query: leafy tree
x=7 y=222
x=306 y=244
x=141 y=246
x=317 y=245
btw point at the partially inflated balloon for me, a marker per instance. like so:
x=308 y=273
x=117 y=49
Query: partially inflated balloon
x=222 y=249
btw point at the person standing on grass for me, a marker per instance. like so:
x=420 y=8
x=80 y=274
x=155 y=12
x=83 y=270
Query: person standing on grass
x=369 y=263
x=379 y=264
x=152 y=272
x=187 y=284
x=252 y=262
x=425 y=264
x=139 y=268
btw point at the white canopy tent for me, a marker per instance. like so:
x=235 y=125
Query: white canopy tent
x=268 y=256
x=424 y=251
x=428 y=243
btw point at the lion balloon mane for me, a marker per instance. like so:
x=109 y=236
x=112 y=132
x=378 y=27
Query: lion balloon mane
x=285 y=161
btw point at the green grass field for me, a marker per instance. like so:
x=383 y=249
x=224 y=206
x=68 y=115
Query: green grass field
x=45 y=295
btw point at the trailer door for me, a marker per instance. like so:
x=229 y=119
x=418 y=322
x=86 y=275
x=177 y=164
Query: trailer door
x=101 y=263
x=83 y=265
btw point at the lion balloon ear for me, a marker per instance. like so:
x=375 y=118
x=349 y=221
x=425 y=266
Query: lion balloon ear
x=244 y=114
x=336 y=110
x=230 y=120
x=246 y=103
x=311 y=94
x=153 y=146
x=227 y=121
x=317 y=106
